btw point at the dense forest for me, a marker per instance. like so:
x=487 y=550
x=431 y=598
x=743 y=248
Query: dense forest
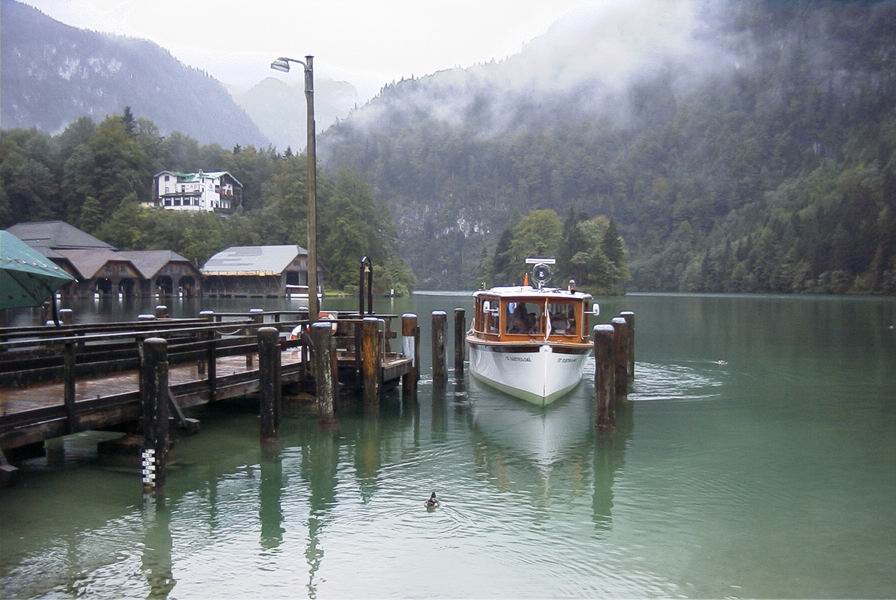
x=757 y=155
x=94 y=176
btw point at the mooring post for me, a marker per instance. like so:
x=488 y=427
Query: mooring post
x=604 y=377
x=66 y=316
x=269 y=382
x=409 y=350
x=208 y=315
x=146 y=317
x=417 y=352
x=460 y=333
x=161 y=312
x=370 y=360
x=325 y=379
x=154 y=400
x=629 y=317
x=68 y=393
x=257 y=318
x=439 y=319
x=211 y=364
x=620 y=358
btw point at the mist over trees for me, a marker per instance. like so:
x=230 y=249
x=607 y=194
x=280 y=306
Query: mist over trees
x=94 y=176
x=742 y=147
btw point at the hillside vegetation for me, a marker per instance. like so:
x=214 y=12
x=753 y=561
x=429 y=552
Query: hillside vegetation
x=755 y=153
x=95 y=176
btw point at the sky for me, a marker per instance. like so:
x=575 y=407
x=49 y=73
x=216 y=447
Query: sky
x=366 y=42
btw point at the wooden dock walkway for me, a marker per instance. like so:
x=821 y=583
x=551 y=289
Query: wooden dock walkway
x=54 y=382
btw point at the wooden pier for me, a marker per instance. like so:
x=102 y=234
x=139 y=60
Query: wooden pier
x=58 y=381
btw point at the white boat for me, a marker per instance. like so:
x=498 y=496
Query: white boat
x=530 y=342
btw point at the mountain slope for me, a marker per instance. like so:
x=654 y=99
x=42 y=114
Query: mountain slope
x=744 y=146
x=279 y=108
x=53 y=74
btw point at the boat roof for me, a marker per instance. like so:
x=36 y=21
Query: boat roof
x=526 y=291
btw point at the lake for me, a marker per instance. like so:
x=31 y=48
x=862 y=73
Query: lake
x=756 y=457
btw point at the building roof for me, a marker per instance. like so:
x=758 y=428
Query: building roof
x=194 y=177
x=252 y=260
x=56 y=235
x=150 y=262
x=88 y=261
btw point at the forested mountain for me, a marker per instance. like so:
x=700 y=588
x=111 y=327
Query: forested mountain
x=278 y=107
x=738 y=146
x=53 y=74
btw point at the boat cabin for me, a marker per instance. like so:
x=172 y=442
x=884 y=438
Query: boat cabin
x=521 y=314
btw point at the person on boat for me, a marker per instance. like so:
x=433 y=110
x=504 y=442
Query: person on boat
x=518 y=320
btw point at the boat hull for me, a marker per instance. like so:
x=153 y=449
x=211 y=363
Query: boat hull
x=536 y=374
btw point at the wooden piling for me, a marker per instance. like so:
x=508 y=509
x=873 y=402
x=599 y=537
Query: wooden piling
x=211 y=364
x=269 y=382
x=604 y=377
x=620 y=358
x=409 y=349
x=258 y=319
x=161 y=312
x=325 y=376
x=439 y=374
x=629 y=317
x=460 y=334
x=371 y=360
x=417 y=352
x=66 y=316
x=69 y=376
x=154 y=401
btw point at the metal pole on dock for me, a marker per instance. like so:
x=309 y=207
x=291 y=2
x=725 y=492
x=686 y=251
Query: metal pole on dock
x=620 y=352
x=460 y=333
x=269 y=382
x=604 y=377
x=629 y=317
x=154 y=400
x=371 y=360
x=439 y=319
x=325 y=376
x=409 y=349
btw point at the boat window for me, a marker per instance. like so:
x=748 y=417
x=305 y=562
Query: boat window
x=490 y=315
x=563 y=318
x=524 y=318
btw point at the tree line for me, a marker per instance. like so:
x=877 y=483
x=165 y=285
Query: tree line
x=589 y=251
x=95 y=175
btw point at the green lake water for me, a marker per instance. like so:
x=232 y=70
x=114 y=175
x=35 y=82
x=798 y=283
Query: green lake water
x=755 y=458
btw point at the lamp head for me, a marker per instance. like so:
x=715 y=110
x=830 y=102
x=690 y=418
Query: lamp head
x=281 y=64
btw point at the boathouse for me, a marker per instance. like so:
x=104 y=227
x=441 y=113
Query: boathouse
x=256 y=271
x=165 y=273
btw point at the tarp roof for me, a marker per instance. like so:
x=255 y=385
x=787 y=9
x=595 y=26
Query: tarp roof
x=56 y=235
x=252 y=260
x=88 y=261
x=150 y=262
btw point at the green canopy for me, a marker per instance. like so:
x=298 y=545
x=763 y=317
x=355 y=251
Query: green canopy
x=27 y=277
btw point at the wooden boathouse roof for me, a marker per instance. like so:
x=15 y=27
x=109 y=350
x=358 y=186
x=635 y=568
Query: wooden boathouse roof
x=150 y=262
x=56 y=235
x=253 y=260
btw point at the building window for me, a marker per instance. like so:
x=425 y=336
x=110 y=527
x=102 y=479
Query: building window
x=167 y=177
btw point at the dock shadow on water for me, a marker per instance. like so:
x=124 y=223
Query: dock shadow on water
x=718 y=480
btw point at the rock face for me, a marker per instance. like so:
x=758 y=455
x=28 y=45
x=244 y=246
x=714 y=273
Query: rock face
x=53 y=73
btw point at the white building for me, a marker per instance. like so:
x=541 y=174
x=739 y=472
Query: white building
x=216 y=191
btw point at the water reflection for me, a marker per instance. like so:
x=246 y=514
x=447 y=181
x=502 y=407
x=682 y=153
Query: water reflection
x=157 y=545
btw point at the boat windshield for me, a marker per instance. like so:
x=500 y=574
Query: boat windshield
x=524 y=318
x=562 y=317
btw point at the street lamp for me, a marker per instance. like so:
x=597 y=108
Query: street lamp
x=282 y=64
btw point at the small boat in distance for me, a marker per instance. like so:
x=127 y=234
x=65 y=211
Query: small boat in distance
x=531 y=342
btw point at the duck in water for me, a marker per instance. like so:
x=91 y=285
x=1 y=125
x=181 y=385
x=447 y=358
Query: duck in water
x=432 y=503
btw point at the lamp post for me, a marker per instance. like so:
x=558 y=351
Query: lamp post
x=282 y=64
